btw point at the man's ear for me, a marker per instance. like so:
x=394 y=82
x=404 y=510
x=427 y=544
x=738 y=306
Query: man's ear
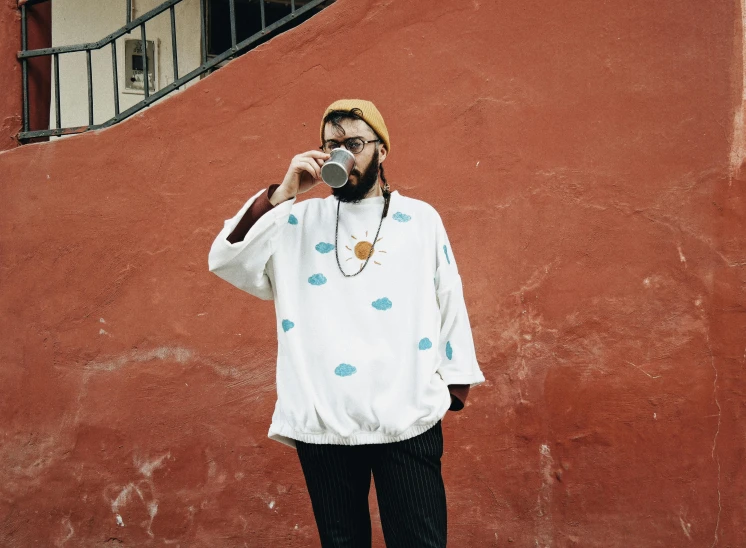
x=382 y=153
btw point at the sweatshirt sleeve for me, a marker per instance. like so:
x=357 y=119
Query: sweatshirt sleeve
x=244 y=262
x=459 y=361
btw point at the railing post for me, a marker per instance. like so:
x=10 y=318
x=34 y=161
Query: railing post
x=57 y=113
x=232 y=5
x=90 y=86
x=24 y=69
x=146 y=83
x=115 y=76
x=202 y=24
x=173 y=44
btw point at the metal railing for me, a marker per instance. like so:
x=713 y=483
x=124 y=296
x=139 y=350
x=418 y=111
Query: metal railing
x=206 y=65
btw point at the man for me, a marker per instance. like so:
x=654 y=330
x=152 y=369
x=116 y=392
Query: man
x=374 y=338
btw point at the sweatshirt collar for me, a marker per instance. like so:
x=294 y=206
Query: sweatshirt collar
x=366 y=202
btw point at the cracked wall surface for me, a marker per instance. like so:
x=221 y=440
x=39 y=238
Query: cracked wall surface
x=586 y=159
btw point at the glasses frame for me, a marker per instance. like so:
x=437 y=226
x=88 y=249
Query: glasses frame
x=344 y=144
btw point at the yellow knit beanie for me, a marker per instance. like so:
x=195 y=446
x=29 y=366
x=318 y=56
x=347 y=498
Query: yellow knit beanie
x=369 y=113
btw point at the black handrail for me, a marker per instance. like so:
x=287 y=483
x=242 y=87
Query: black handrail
x=205 y=66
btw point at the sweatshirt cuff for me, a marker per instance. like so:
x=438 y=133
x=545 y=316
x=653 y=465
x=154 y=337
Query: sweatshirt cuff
x=459 y=393
x=271 y=190
x=256 y=210
x=261 y=205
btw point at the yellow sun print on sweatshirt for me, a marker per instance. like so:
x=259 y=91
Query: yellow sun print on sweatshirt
x=361 y=249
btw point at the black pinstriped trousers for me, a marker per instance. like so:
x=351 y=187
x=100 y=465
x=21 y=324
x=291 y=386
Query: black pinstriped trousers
x=409 y=485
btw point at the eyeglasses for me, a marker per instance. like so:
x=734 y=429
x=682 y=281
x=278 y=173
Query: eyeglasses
x=353 y=144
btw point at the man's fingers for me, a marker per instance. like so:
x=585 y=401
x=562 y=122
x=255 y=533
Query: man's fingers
x=316 y=154
x=310 y=166
x=311 y=162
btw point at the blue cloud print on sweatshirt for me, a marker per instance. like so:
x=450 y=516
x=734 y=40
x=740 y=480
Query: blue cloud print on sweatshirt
x=449 y=350
x=445 y=250
x=287 y=325
x=401 y=217
x=382 y=304
x=323 y=247
x=317 y=279
x=425 y=344
x=345 y=370
x=293 y=220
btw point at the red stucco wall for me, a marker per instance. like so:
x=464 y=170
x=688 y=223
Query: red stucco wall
x=586 y=163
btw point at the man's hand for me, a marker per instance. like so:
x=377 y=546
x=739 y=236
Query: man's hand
x=303 y=174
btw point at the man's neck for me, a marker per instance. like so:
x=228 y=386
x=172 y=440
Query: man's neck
x=376 y=190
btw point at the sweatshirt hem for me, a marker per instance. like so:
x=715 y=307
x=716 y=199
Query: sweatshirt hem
x=471 y=380
x=287 y=435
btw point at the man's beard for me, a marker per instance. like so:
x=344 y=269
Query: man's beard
x=354 y=193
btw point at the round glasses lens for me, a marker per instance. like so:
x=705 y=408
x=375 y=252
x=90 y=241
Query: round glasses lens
x=354 y=145
x=330 y=145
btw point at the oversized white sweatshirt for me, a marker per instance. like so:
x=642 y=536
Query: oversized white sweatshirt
x=366 y=359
